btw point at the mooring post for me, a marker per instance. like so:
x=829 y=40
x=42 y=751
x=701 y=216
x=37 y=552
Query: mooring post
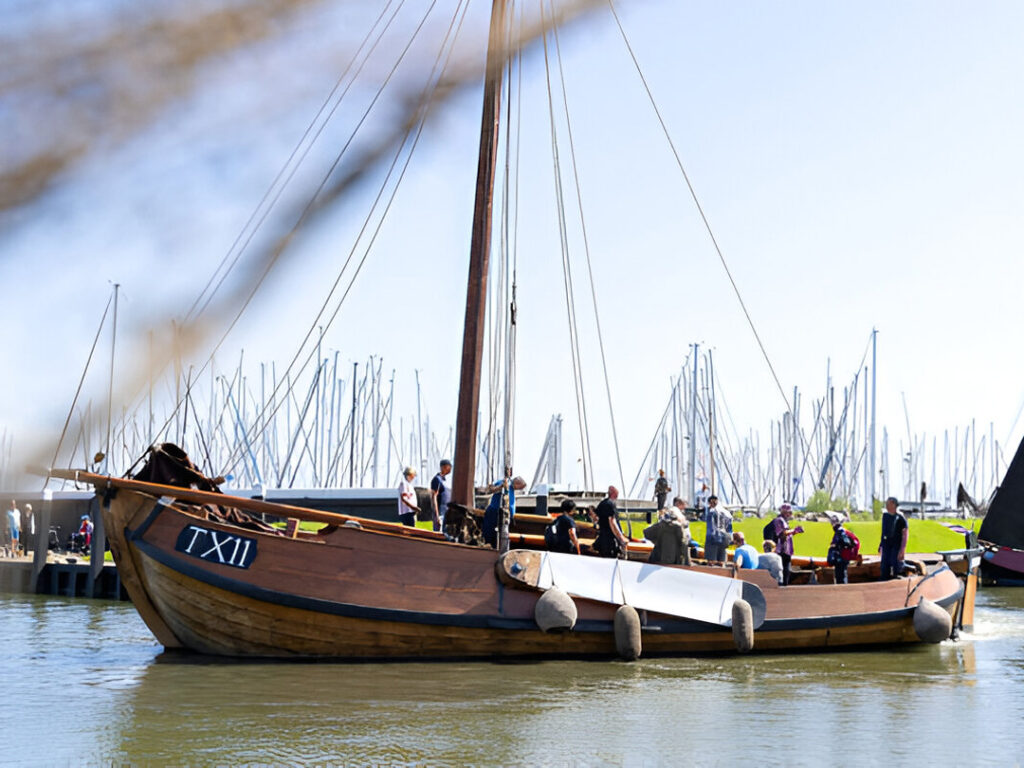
x=42 y=538
x=96 y=549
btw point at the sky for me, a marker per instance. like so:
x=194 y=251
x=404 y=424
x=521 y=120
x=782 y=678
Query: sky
x=859 y=165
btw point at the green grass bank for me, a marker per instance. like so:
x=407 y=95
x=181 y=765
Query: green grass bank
x=925 y=535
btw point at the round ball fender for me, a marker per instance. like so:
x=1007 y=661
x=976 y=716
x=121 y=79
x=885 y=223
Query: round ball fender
x=931 y=623
x=555 y=611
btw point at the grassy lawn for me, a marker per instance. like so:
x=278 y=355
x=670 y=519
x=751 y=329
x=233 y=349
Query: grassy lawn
x=925 y=535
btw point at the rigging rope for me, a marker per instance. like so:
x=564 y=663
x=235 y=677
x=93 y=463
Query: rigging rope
x=509 y=247
x=415 y=133
x=307 y=209
x=195 y=311
x=590 y=269
x=78 y=391
x=700 y=208
x=581 y=406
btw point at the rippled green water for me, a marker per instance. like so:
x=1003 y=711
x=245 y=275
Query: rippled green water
x=84 y=683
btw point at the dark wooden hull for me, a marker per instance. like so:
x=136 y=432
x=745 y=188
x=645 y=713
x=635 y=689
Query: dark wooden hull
x=381 y=591
x=1002 y=567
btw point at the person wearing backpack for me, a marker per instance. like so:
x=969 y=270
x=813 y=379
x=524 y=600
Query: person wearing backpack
x=560 y=535
x=718 y=533
x=779 y=532
x=845 y=547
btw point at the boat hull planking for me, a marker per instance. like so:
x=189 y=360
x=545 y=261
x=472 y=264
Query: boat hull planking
x=356 y=593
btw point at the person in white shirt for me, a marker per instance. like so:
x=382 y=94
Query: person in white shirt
x=770 y=561
x=14 y=527
x=407 y=507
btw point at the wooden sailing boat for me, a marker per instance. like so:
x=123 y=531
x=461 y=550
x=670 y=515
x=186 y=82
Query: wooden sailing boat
x=359 y=589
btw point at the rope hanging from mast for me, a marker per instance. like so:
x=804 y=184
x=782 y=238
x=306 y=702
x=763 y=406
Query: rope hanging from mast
x=570 y=301
x=78 y=391
x=590 y=269
x=408 y=149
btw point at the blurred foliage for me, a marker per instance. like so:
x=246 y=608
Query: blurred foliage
x=74 y=83
x=821 y=501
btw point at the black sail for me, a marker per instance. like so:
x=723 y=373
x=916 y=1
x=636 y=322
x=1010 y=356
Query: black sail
x=1004 y=523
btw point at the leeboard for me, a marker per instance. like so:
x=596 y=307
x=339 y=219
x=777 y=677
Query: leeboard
x=673 y=591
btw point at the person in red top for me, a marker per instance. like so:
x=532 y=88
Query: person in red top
x=85 y=529
x=845 y=546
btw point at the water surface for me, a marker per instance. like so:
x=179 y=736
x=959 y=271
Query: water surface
x=86 y=683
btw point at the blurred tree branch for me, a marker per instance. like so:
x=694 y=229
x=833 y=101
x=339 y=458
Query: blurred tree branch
x=71 y=87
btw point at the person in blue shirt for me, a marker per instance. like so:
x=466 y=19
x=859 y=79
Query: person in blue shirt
x=440 y=494
x=718 y=533
x=493 y=511
x=745 y=555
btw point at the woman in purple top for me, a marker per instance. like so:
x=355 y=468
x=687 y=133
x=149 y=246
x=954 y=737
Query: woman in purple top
x=784 y=539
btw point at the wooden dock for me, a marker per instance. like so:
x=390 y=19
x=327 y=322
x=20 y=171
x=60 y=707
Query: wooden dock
x=67 y=576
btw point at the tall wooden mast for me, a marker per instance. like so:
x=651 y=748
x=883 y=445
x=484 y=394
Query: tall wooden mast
x=479 y=256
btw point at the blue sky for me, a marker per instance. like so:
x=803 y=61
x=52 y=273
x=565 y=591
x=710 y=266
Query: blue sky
x=860 y=166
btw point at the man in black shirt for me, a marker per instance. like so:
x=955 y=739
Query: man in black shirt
x=893 y=546
x=610 y=541
x=561 y=534
x=661 y=489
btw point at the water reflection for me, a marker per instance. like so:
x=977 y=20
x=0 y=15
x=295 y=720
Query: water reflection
x=132 y=704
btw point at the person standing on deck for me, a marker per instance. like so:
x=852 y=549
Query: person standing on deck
x=407 y=507
x=893 y=546
x=667 y=537
x=440 y=494
x=493 y=512
x=610 y=541
x=783 y=537
x=843 y=548
x=680 y=507
x=661 y=489
x=718 y=533
x=563 y=530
